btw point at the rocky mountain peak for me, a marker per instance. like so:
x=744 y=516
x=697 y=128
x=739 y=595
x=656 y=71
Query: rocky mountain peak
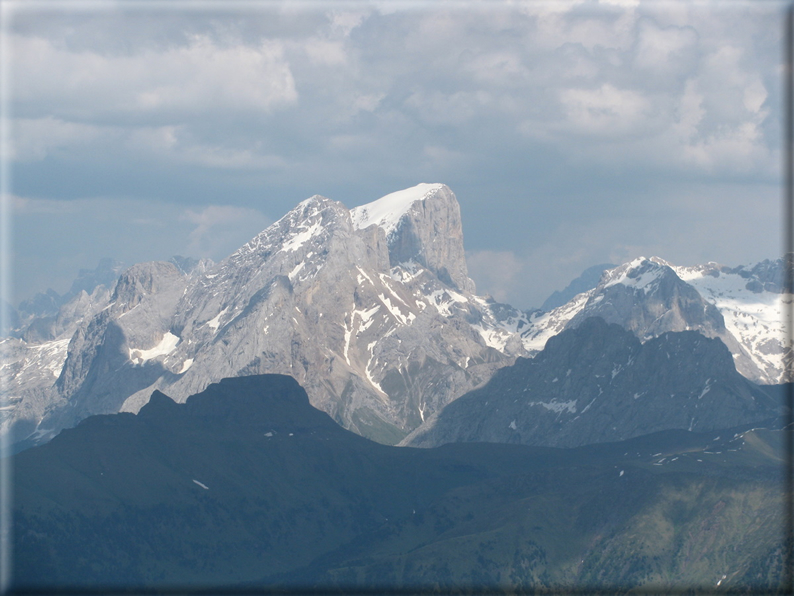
x=741 y=306
x=640 y=273
x=308 y=220
x=647 y=297
x=766 y=275
x=142 y=279
x=370 y=309
x=373 y=319
x=422 y=224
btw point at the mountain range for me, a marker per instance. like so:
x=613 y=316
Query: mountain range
x=370 y=309
x=246 y=487
x=597 y=383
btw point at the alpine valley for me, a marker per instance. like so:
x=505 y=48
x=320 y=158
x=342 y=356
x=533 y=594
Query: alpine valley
x=190 y=425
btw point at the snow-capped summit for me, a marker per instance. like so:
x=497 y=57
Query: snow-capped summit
x=422 y=225
x=646 y=297
x=743 y=307
x=752 y=302
x=387 y=211
x=379 y=324
x=371 y=310
x=640 y=273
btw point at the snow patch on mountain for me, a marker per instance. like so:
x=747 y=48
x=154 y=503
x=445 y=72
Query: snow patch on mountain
x=556 y=406
x=445 y=300
x=215 y=321
x=545 y=325
x=387 y=211
x=395 y=311
x=163 y=348
x=301 y=237
x=640 y=274
x=754 y=318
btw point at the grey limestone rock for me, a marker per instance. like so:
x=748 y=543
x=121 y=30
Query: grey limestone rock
x=370 y=309
x=430 y=233
x=377 y=320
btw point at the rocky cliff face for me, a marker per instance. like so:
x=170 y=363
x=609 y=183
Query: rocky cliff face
x=422 y=225
x=597 y=383
x=35 y=350
x=371 y=311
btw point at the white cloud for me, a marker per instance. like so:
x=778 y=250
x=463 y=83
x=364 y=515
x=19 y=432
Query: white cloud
x=368 y=102
x=661 y=48
x=503 y=68
x=555 y=25
x=174 y=143
x=621 y=3
x=345 y=21
x=689 y=112
x=33 y=139
x=195 y=77
x=755 y=94
x=739 y=148
x=34 y=206
x=606 y=111
x=547 y=7
x=230 y=158
x=324 y=51
x=435 y=107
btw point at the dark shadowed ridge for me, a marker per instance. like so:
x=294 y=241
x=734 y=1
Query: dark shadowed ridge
x=597 y=383
x=246 y=485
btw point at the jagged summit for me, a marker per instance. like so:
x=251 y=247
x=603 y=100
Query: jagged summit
x=640 y=273
x=381 y=326
x=305 y=221
x=647 y=297
x=370 y=309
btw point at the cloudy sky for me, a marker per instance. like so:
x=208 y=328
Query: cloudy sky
x=573 y=133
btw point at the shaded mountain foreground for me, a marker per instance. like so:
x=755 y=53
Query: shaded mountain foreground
x=598 y=383
x=246 y=484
